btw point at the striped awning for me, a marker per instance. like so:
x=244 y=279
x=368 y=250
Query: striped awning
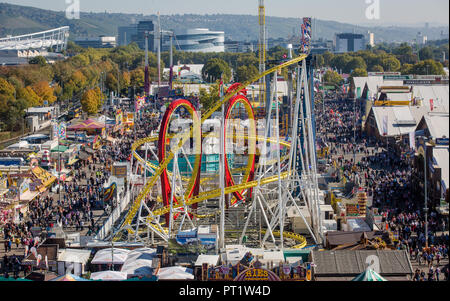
x=369 y=275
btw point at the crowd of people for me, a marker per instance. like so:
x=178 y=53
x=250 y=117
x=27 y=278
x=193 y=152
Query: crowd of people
x=71 y=205
x=386 y=173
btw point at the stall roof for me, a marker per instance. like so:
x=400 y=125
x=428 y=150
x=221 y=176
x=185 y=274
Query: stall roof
x=337 y=238
x=347 y=263
x=105 y=256
x=139 y=262
x=59 y=149
x=438 y=124
x=212 y=260
x=74 y=255
x=109 y=276
x=441 y=155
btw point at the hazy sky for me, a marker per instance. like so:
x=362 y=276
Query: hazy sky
x=349 y=11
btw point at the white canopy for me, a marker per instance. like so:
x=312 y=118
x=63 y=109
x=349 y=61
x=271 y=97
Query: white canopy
x=75 y=255
x=105 y=256
x=139 y=262
x=109 y=276
x=175 y=273
x=211 y=260
x=177 y=276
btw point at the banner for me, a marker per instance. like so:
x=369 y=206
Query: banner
x=431 y=105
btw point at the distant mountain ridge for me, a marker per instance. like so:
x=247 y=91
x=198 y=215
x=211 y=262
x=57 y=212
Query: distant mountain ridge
x=16 y=20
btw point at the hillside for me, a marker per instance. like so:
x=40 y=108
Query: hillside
x=15 y=20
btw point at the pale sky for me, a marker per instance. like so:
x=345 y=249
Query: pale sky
x=349 y=11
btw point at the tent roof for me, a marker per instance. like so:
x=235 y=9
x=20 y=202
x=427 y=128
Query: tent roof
x=60 y=149
x=105 y=256
x=212 y=260
x=74 y=255
x=369 y=275
x=109 y=276
x=139 y=262
x=87 y=124
x=175 y=273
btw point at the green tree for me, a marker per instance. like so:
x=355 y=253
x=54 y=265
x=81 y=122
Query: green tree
x=340 y=62
x=406 y=69
x=44 y=91
x=358 y=72
x=328 y=57
x=425 y=54
x=390 y=64
x=137 y=77
x=428 y=67
x=332 y=77
x=38 y=60
x=6 y=88
x=214 y=69
x=244 y=73
x=355 y=63
x=377 y=68
x=29 y=96
x=91 y=101
x=209 y=98
x=403 y=49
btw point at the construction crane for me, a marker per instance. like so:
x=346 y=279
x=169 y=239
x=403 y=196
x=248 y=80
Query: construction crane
x=262 y=51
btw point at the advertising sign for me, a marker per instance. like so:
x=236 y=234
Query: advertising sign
x=257 y=275
x=306 y=35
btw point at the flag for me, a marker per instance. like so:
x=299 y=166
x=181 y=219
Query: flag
x=385 y=125
x=62 y=131
x=412 y=140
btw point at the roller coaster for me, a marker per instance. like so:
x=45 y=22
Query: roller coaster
x=262 y=176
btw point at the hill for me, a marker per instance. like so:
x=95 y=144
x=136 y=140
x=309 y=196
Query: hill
x=15 y=20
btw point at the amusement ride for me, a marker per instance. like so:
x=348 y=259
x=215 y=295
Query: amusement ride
x=258 y=175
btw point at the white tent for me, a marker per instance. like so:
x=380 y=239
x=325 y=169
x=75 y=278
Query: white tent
x=175 y=273
x=105 y=256
x=74 y=255
x=139 y=262
x=212 y=260
x=177 y=276
x=109 y=276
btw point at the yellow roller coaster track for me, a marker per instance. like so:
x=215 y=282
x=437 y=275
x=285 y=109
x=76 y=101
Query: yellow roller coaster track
x=170 y=155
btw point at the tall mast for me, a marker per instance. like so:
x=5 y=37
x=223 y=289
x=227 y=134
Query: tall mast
x=147 y=79
x=158 y=34
x=262 y=50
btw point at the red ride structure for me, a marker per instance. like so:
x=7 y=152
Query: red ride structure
x=194 y=183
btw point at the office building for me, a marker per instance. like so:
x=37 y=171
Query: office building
x=142 y=27
x=126 y=34
x=97 y=42
x=349 y=42
x=135 y=33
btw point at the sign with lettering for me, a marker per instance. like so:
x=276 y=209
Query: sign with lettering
x=384 y=73
x=257 y=275
x=425 y=82
x=397 y=77
x=442 y=141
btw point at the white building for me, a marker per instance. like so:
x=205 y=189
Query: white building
x=202 y=40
